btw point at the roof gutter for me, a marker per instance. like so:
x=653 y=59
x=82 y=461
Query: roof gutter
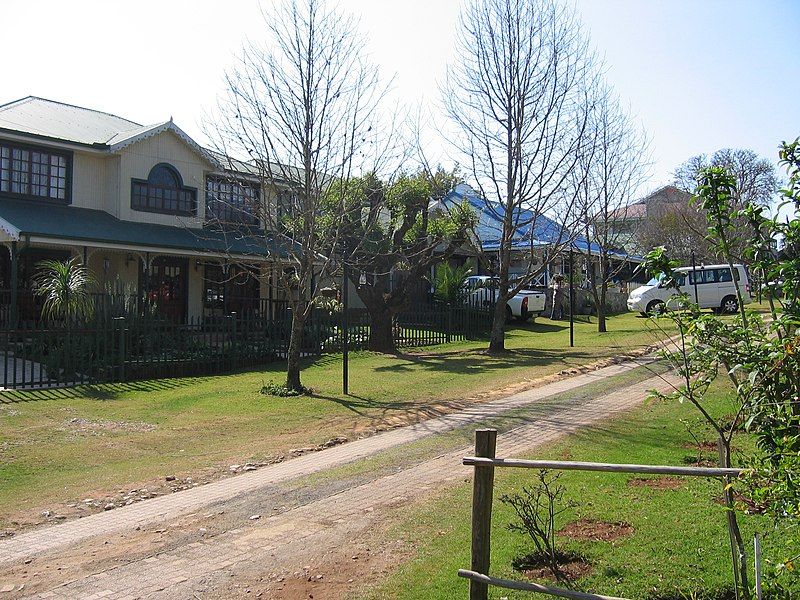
x=95 y=148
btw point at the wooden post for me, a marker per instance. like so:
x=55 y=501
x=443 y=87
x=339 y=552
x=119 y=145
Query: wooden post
x=482 y=492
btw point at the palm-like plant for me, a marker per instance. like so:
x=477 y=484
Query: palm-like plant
x=64 y=287
x=448 y=283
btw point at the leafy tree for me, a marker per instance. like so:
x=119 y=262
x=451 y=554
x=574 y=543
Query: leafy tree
x=391 y=240
x=758 y=355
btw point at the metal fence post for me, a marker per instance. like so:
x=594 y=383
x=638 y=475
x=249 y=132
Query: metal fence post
x=449 y=322
x=482 y=492
x=121 y=347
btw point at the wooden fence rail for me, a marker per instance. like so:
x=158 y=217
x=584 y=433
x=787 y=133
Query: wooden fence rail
x=485 y=463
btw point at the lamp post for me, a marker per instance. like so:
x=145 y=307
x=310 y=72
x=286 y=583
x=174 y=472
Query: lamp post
x=571 y=298
x=694 y=279
x=345 y=329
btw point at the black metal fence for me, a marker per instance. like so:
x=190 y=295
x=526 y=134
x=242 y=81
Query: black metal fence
x=116 y=349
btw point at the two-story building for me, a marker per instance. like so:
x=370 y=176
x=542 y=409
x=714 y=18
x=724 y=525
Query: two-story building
x=146 y=208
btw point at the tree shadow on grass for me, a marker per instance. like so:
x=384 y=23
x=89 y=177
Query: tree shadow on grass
x=461 y=363
x=103 y=391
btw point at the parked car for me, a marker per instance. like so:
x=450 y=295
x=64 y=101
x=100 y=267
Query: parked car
x=481 y=290
x=716 y=289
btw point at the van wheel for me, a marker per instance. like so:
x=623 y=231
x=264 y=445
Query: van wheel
x=655 y=308
x=729 y=304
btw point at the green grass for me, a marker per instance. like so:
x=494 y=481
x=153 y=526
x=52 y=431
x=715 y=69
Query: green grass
x=183 y=426
x=680 y=542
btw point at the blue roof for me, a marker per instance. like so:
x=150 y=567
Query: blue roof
x=533 y=229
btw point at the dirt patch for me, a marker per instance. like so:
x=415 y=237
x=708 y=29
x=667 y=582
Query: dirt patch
x=704 y=446
x=336 y=577
x=596 y=531
x=699 y=461
x=663 y=482
x=99 y=427
x=571 y=566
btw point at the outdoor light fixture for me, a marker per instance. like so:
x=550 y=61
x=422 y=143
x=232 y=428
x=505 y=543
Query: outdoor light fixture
x=106 y=264
x=362 y=280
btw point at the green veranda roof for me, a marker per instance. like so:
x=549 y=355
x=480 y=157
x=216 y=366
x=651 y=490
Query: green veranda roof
x=20 y=218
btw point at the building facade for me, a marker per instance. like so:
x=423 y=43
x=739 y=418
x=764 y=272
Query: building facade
x=152 y=214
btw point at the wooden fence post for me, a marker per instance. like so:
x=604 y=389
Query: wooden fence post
x=482 y=492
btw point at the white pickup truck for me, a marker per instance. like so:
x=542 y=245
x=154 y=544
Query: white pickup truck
x=482 y=292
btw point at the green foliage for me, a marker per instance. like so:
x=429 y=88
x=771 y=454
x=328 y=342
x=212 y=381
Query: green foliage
x=281 y=391
x=448 y=283
x=64 y=287
x=761 y=357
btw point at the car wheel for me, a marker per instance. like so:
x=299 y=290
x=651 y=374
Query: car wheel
x=729 y=304
x=509 y=314
x=655 y=308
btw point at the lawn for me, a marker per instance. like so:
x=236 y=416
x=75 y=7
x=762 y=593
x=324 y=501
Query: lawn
x=678 y=549
x=66 y=445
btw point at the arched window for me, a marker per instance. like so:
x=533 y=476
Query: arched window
x=163 y=192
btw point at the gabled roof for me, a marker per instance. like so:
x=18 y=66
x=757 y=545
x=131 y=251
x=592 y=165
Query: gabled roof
x=534 y=230
x=74 y=124
x=62 y=122
x=127 y=138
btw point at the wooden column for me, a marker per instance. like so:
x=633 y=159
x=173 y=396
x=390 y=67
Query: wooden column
x=482 y=492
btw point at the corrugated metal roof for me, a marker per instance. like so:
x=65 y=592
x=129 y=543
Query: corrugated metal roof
x=47 y=118
x=81 y=225
x=535 y=230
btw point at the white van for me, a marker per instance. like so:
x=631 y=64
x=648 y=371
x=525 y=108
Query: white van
x=715 y=289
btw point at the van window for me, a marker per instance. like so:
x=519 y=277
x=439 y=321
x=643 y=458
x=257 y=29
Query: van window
x=725 y=275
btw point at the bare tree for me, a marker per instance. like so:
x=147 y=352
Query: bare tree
x=301 y=106
x=610 y=177
x=518 y=95
x=679 y=227
x=756 y=183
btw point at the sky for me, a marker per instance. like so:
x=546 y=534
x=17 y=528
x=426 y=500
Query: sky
x=699 y=75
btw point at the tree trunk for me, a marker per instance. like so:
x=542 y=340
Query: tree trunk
x=601 y=308
x=497 y=340
x=293 y=353
x=381 y=336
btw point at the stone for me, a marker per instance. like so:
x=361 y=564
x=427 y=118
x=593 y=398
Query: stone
x=169 y=478
x=109 y=506
x=255 y=517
